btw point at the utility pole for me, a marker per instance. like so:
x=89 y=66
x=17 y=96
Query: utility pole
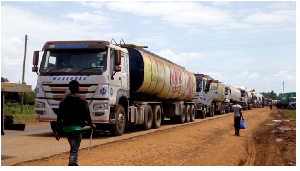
x=283 y=88
x=23 y=74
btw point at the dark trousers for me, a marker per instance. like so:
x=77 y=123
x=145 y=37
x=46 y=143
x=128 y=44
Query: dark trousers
x=74 y=139
x=237 y=122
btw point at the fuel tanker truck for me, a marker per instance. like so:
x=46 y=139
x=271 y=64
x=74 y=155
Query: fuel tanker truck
x=235 y=95
x=124 y=85
x=246 y=98
x=257 y=99
x=210 y=96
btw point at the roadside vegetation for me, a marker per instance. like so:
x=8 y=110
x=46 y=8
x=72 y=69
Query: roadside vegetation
x=14 y=109
x=290 y=113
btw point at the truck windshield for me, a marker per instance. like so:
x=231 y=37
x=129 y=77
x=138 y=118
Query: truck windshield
x=243 y=93
x=199 y=85
x=73 y=62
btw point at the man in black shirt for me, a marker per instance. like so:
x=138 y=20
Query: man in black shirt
x=73 y=112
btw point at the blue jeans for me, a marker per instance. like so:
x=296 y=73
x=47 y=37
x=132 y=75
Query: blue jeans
x=74 y=139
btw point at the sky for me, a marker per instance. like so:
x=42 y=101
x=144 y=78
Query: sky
x=243 y=43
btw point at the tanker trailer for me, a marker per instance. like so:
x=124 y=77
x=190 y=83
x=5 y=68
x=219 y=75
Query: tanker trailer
x=124 y=85
x=249 y=99
x=226 y=102
x=219 y=101
x=235 y=95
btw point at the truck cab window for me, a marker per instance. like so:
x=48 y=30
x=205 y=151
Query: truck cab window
x=112 y=61
x=199 y=85
x=62 y=62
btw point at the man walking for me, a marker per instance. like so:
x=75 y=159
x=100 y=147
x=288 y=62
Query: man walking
x=237 y=113
x=73 y=114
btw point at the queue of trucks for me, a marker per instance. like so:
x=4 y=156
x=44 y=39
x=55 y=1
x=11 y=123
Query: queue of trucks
x=127 y=85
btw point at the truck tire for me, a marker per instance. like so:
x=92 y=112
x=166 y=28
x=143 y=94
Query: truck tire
x=118 y=128
x=148 y=118
x=156 y=117
x=203 y=114
x=181 y=117
x=193 y=113
x=53 y=125
x=212 y=111
x=188 y=113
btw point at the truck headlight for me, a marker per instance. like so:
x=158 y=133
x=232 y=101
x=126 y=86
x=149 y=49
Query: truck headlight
x=100 y=106
x=39 y=105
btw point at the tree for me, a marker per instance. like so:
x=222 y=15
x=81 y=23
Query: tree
x=270 y=95
x=4 y=79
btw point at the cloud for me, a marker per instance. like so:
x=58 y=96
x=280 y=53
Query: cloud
x=179 y=58
x=283 y=5
x=273 y=17
x=177 y=13
x=16 y=22
x=285 y=75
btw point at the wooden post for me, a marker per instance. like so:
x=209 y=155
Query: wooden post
x=23 y=74
x=2 y=113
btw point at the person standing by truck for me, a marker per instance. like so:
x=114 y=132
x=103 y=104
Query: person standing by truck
x=73 y=114
x=237 y=113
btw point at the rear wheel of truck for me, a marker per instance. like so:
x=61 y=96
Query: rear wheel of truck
x=148 y=118
x=193 y=113
x=53 y=125
x=156 y=117
x=212 y=111
x=181 y=117
x=120 y=121
x=188 y=113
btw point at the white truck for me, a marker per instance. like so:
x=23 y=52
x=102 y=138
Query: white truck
x=257 y=99
x=246 y=98
x=210 y=96
x=124 y=84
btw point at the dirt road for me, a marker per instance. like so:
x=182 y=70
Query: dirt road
x=208 y=143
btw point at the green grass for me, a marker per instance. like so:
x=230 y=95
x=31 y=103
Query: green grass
x=290 y=113
x=14 y=109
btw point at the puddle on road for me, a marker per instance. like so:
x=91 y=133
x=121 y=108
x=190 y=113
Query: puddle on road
x=279 y=140
x=280 y=121
x=282 y=129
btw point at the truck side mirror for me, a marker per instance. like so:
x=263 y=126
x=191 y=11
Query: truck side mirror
x=117 y=57
x=35 y=61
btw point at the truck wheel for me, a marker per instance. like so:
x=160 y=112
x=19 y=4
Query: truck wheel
x=188 y=113
x=119 y=126
x=203 y=114
x=193 y=113
x=156 y=117
x=53 y=125
x=181 y=117
x=222 y=109
x=148 y=118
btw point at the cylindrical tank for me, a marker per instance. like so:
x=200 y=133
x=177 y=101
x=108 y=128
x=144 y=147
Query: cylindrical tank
x=249 y=97
x=221 y=92
x=235 y=94
x=154 y=75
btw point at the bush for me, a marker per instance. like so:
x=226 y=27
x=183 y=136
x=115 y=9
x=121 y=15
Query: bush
x=14 y=109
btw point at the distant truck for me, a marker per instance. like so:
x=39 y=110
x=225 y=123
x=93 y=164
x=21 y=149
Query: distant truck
x=287 y=100
x=257 y=99
x=124 y=84
x=211 y=96
x=246 y=99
